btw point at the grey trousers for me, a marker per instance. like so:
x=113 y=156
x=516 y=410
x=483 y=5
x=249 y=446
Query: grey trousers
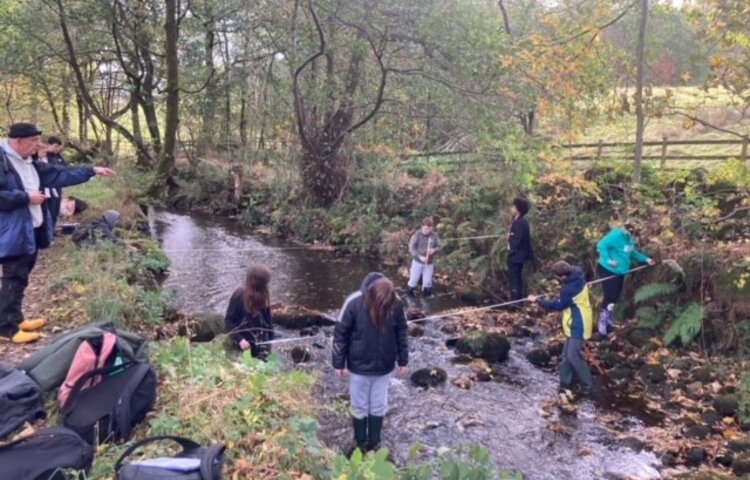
x=368 y=394
x=574 y=363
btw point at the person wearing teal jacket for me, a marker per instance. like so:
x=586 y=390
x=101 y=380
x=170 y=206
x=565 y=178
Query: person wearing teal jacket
x=617 y=251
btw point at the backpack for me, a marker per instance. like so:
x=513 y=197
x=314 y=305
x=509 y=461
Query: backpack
x=91 y=354
x=109 y=410
x=192 y=463
x=49 y=366
x=20 y=399
x=44 y=455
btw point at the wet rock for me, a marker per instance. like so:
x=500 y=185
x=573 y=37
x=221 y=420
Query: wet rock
x=639 y=336
x=668 y=460
x=703 y=374
x=710 y=417
x=724 y=458
x=461 y=359
x=452 y=342
x=492 y=346
x=413 y=313
x=698 y=432
x=298 y=318
x=522 y=331
x=555 y=348
x=538 y=357
x=610 y=359
x=482 y=375
x=450 y=328
x=621 y=373
x=471 y=294
x=309 y=332
x=634 y=444
x=416 y=330
x=429 y=377
x=653 y=373
x=741 y=464
x=727 y=405
x=301 y=354
x=696 y=456
x=202 y=326
x=740 y=445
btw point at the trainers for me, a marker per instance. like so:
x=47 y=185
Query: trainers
x=22 y=337
x=602 y=324
x=31 y=325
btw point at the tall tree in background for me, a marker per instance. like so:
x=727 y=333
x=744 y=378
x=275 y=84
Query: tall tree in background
x=639 y=114
x=172 y=116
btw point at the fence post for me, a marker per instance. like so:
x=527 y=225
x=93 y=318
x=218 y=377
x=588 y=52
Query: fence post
x=663 y=152
x=599 y=150
x=743 y=155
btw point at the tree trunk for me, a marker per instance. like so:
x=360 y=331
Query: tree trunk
x=208 y=121
x=639 y=115
x=172 y=119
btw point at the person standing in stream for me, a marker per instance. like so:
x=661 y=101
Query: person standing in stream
x=617 y=250
x=423 y=245
x=577 y=324
x=369 y=341
x=520 y=250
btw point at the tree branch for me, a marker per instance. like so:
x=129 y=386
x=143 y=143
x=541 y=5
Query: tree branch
x=299 y=104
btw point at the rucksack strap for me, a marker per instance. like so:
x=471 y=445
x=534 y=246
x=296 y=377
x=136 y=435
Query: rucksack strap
x=185 y=443
x=90 y=374
x=214 y=452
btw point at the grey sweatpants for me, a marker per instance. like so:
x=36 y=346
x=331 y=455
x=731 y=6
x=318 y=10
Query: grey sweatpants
x=368 y=394
x=420 y=270
x=573 y=362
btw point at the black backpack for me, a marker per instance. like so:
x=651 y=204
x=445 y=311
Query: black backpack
x=20 y=399
x=192 y=463
x=109 y=410
x=46 y=455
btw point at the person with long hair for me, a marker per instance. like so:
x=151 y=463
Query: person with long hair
x=369 y=340
x=248 y=318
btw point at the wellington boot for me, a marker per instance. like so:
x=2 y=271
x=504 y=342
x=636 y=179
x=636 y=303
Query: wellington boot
x=31 y=325
x=22 y=337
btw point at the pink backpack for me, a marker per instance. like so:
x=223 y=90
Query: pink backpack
x=87 y=358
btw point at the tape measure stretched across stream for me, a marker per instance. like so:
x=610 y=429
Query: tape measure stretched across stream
x=449 y=314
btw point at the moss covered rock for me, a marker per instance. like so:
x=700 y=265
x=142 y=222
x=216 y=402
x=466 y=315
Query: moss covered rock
x=490 y=346
x=297 y=318
x=727 y=405
x=429 y=377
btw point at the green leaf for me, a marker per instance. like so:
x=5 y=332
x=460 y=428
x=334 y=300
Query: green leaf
x=654 y=290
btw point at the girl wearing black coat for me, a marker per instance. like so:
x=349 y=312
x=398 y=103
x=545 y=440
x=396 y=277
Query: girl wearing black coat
x=248 y=317
x=369 y=340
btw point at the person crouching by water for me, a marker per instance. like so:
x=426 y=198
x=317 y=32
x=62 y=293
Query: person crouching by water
x=369 y=340
x=423 y=245
x=248 y=317
x=577 y=324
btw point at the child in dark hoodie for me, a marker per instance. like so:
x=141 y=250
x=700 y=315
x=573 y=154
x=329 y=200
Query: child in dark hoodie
x=577 y=324
x=370 y=340
x=520 y=250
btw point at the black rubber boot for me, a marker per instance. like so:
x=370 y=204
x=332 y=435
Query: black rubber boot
x=360 y=432
x=374 y=427
x=410 y=291
x=428 y=292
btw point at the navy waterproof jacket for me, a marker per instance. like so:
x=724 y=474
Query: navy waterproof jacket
x=360 y=346
x=17 y=235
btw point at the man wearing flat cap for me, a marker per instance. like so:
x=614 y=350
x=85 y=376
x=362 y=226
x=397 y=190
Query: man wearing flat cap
x=25 y=221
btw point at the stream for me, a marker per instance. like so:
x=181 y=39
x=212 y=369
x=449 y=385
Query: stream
x=209 y=257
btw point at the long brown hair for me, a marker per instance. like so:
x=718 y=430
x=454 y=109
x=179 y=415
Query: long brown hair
x=255 y=294
x=380 y=301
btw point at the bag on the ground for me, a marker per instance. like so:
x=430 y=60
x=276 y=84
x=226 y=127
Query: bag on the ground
x=46 y=455
x=20 y=399
x=93 y=353
x=108 y=411
x=49 y=366
x=194 y=462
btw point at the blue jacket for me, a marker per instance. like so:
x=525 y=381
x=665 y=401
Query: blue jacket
x=574 y=302
x=17 y=233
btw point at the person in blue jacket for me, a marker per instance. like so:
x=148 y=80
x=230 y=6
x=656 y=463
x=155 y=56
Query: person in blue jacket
x=577 y=324
x=25 y=221
x=617 y=251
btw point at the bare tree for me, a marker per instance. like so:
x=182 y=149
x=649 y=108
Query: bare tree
x=640 y=121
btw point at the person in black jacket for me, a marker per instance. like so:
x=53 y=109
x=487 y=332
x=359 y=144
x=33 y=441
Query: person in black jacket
x=54 y=157
x=248 y=317
x=519 y=246
x=369 y=340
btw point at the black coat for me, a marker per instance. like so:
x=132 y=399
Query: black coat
x=362 y=348
x=243 y=325
x=519 y=242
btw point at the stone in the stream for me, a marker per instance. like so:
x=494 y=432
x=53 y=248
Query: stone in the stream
x=298 y=318
x=413 y=313
x=668 y=460
x=538 y=357
x=653 y=373
x=724 y=458
x=482 y=375
x=740 y=445
x=727 y=405
x=461 y=359
x=491 y=346
x=703 y=374
x=696 y=456
x=621 y=372
x=639 y=336
x=555 y=348
x=741 y=464
x=309 y=332
x=202 y=326
x=429 y=377
x=449 y=327
x=634 y=444
x=471 y=294
x=301 y=354
x=697 y=432
x=452 y=342
x=522 y=331
x=416 y=330
x=710 y=417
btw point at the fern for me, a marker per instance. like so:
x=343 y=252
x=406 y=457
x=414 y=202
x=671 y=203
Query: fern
x=686 y=326
x=654 y=290
x=648 y=316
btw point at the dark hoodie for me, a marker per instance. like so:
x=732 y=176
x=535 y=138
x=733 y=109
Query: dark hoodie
x=579 y=319
x=103 y=228
x=359 y=346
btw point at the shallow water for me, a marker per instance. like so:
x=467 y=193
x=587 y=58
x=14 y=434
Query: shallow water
x=209 y=257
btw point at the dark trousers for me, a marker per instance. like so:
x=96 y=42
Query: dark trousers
x=612 y=286
x=574 y=363
x=16 y=271
x=515 y=277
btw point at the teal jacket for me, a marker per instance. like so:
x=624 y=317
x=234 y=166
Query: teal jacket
x=619 y=246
